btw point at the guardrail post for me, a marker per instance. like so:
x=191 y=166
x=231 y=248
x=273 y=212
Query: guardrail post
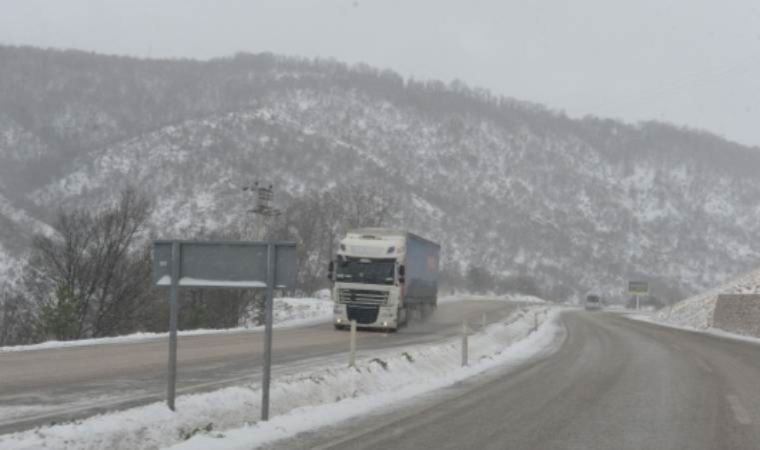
x=352 y=352
x=464 y=343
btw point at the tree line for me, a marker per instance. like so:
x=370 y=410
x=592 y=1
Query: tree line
x=93 y=277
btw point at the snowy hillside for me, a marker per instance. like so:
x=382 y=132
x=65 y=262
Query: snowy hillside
x=575 y=204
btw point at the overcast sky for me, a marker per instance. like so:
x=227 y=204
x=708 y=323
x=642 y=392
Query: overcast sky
x=690 y=62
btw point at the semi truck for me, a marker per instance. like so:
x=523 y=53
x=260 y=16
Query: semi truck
x=382 y=277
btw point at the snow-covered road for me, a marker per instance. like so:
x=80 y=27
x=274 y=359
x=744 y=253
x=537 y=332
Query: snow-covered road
x=323 y=393
x=41 y=386
x=613 y=383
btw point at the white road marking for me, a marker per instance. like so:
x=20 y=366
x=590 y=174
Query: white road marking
x=740 y=413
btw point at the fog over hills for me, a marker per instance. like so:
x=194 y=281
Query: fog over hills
x=506 y=185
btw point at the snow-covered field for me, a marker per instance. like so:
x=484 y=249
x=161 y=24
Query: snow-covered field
x=288 y=312
x=319 y=396
x=697 y=312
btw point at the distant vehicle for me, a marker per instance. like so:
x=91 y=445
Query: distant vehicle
x=593 y=303
x=381 y=277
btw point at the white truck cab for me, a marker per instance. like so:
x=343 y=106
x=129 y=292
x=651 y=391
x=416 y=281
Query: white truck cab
x=381 y=276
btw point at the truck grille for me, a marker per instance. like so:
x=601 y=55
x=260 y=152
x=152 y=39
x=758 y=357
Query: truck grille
x=363 y=315
x=357 y=296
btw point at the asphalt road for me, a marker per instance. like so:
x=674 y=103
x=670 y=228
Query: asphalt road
x=43 y=386
x=612 y=383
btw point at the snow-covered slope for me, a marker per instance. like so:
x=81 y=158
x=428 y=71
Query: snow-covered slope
x=577 y=205
x=16 y=230
x=697 y=311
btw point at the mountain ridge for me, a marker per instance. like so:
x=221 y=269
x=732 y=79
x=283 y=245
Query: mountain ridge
x=579 y=204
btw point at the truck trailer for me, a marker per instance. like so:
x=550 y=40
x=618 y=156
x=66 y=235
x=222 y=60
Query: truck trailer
x=383 y=277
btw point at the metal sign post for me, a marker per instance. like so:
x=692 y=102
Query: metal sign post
x=266 y=378
x=637 y=289
x=171 y=388
x=228 y=264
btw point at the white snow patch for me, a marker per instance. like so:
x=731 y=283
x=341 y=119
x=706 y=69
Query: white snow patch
x=189 y=281
x=711 y=331
x=517 y=298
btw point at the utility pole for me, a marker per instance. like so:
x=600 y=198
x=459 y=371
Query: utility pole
x=263 y=209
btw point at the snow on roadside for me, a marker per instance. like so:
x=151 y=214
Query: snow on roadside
x=697 y=311
x=712 y=331
x=288 y=312
x=323 y=395
x=517 y=298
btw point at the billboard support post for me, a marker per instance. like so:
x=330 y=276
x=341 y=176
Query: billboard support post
x=267 y=375
x=223 y=264
x=637 y=289
x=171 y=388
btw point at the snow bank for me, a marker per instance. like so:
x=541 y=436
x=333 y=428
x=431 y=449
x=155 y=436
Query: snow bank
x=188 y=281
x=697 y=311
x=303 y=401
x=521 y=298
x=712 y=331
x=288 y=312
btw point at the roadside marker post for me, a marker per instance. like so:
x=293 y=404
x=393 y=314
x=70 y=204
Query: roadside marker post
x=352 y=351
x=223 y=264
x=464 y=343
x=484 y=321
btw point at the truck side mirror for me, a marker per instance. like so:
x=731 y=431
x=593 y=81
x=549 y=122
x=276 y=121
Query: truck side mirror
x=331 y=270
x=401 y=274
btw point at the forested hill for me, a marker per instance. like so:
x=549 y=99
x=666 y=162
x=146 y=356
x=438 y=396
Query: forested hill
x=508 y=187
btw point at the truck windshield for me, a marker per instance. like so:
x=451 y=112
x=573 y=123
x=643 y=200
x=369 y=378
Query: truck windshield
x=363 y=270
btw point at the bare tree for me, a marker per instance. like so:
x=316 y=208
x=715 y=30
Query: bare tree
x=91 y=278
x=316 y=221
x=16 y=318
